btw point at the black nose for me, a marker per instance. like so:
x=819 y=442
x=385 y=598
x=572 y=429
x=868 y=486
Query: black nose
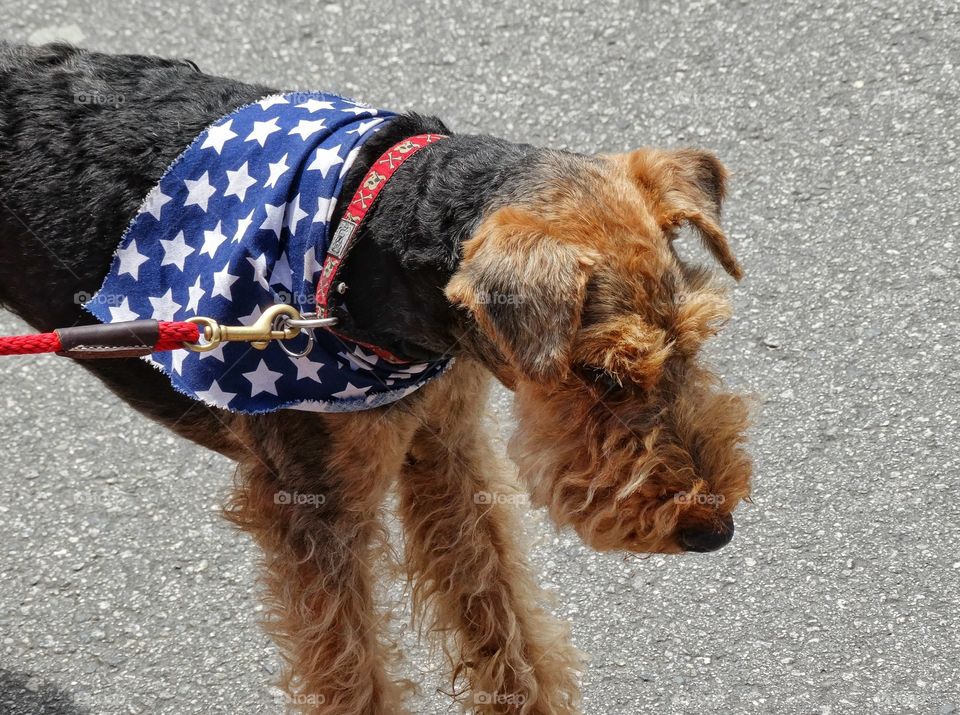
x=706 y=537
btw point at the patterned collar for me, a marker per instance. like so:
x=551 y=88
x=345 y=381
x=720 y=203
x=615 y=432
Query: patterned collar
x=240 y=222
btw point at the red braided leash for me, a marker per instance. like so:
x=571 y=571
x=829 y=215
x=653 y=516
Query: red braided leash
x=171 y=336
x=29 y=344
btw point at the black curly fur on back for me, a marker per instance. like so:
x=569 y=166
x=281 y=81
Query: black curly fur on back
x=73 y=175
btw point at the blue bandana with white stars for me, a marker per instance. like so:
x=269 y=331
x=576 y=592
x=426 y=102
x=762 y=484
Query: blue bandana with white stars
x=239 y=222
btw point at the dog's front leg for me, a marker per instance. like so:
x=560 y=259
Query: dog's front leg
x=469 y=573
x=311 y=495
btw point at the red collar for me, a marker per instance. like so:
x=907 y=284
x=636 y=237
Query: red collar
x=329 y=289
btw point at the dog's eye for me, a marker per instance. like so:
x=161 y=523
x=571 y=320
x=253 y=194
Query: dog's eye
x=601 y=379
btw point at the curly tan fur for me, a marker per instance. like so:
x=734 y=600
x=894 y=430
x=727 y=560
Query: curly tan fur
x=319 y=556
x=470 y=579
x=623 y=434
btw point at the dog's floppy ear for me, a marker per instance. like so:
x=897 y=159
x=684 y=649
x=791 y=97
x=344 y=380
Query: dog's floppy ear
x=686 y=186
x=525 y=288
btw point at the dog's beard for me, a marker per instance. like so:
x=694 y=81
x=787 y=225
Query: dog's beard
x=621 y=485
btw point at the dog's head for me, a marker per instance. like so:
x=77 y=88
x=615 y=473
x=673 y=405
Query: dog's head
x=579 y=302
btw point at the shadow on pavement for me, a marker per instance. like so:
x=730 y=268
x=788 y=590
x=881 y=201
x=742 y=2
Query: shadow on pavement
x=24 y=694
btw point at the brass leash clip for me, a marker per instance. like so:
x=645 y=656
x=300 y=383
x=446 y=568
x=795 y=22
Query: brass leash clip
x=273 y=324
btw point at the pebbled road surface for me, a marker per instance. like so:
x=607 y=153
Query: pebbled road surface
x=121 y=591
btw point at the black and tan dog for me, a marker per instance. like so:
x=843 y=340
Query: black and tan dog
x=622 y=433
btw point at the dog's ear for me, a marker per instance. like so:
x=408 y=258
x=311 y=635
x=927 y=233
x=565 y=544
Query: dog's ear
x=686 y=186
x=525 y=289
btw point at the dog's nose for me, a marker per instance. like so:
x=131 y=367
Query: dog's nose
x=706 y=537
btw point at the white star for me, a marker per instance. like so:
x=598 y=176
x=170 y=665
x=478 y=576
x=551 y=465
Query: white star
x=326 y=159
x=240 y=180
x=131 y=260
x=122 y=312
x=308 y=369
x=196 y=293
x=260 y=269
x=218 y=136
x=253 y=317
x=352 y=361
x=155 y=202
x=359 y=109
x=242 y=225
x=216 y=353
x=176 y=360
x=307 y=128
x=365 y=127
x=277 y=169
x=409 y=371
x=351 y=157
x=164 y=307
x=315 y=105
x=263 y=379
x=274 y=220
x=273 y=99
x=359 y=360
x=212 y=240
x=215 y=395
x=199 y=191
x=281 y=274
x=294 y=214
x=261 y=130
x=350 y=391
x=310 y=265
x=222 y=280
x=324 y=209
x=175 y=252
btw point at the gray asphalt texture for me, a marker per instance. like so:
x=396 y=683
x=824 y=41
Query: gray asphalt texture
x=122 y=591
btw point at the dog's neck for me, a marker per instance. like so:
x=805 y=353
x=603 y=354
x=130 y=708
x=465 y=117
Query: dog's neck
x=410 y=244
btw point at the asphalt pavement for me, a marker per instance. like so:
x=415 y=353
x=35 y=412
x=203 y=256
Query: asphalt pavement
x=122 y=591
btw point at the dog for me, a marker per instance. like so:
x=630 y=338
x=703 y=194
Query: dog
x=553 y=272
